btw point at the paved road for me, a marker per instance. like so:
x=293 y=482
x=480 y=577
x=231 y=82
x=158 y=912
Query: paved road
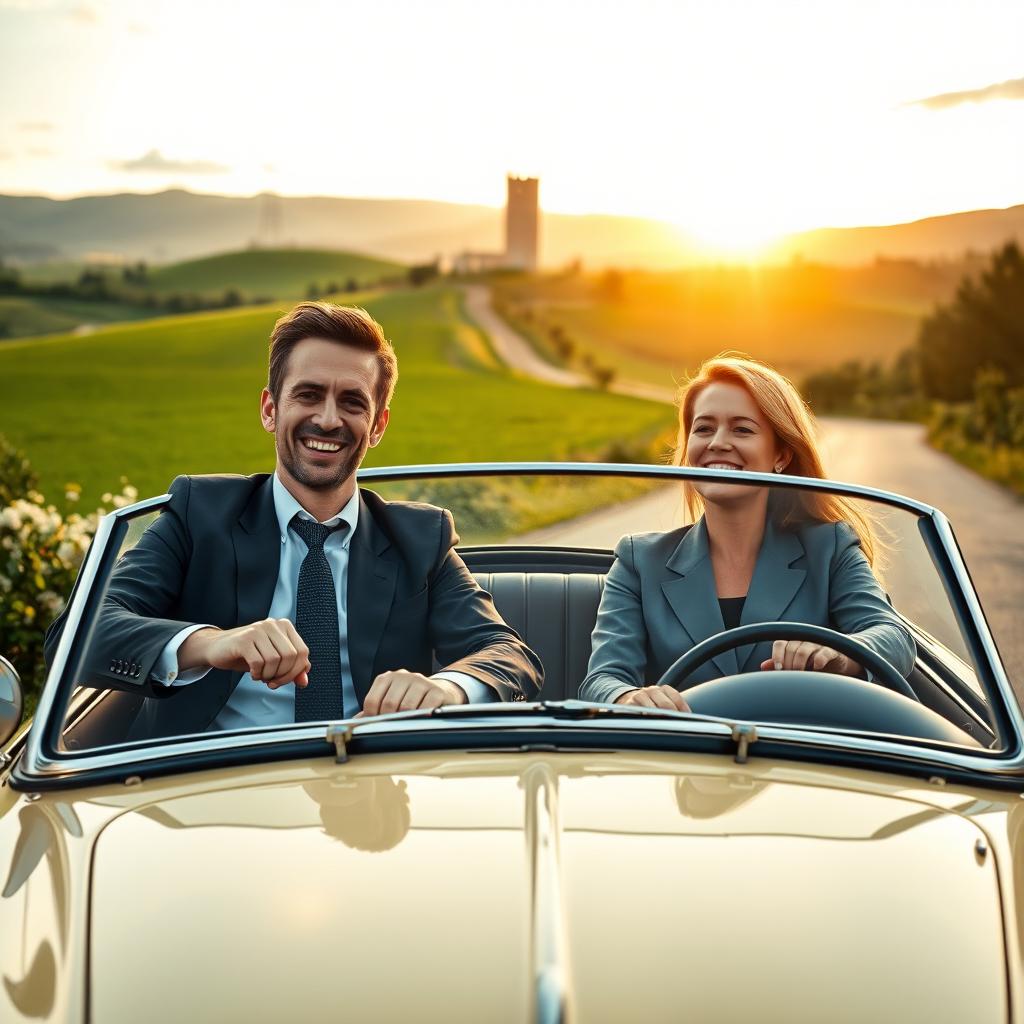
x=511 y=347
x=988 y=520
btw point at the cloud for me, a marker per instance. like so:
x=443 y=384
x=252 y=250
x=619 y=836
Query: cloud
x=4 y=155
x=35 y=126
x=1011 y=90
x=41 y=153
x=154 y=162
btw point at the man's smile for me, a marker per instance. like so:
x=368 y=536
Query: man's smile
x=316 y=445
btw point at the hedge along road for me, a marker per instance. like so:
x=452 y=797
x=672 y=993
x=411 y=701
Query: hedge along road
x=988 y=520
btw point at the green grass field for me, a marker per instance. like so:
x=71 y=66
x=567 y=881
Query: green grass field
x=273 y=273
x=180 y=395
x=23 y=317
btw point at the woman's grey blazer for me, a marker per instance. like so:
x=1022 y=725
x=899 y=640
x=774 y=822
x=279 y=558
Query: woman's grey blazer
x=660 y=600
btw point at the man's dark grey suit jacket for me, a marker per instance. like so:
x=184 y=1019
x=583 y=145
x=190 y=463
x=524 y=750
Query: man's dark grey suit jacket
x=212 y=557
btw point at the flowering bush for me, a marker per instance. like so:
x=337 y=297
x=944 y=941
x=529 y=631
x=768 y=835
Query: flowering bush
x=41 y=551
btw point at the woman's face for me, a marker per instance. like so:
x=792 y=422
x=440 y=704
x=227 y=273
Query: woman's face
x=729 y=431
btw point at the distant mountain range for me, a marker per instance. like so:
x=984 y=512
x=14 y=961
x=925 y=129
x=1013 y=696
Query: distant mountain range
x=177 y=225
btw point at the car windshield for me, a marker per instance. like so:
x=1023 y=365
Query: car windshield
x=818 y=607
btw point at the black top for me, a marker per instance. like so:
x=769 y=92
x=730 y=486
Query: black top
x=732 y=609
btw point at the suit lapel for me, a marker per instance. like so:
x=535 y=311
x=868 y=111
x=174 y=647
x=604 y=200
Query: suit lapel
x=257 y=541
x=371 y=589
x=774 y=584
x=690 y=591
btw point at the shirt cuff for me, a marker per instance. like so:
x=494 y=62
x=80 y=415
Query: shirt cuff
x=476 y=691
x=165 y=670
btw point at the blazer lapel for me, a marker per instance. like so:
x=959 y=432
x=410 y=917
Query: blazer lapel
x=692 y=594
x=257 y=541
x=371 y=589
x=774 y=583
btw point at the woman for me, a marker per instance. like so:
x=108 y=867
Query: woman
x=754 y=555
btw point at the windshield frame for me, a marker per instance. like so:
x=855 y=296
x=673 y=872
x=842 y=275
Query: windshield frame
x=45 y=765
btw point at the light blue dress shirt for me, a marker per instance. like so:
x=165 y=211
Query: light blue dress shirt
x=254 y=703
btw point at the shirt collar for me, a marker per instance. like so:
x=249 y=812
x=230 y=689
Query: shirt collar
x=285 y=507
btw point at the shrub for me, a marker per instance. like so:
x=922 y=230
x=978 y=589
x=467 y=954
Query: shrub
x=16 y=475
x=41 y=551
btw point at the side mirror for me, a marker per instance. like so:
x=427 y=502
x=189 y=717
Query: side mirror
x=11 y=700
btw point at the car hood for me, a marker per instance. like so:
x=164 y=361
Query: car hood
x=466 y=888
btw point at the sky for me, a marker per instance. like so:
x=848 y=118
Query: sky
x=737 y=120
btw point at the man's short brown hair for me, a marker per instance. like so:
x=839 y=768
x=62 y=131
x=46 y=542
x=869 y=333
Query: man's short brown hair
x=347 y=325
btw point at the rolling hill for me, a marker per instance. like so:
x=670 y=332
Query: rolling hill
x=178 y=225
x=274 y=273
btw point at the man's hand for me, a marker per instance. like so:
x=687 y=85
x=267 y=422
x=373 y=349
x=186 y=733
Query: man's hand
x=667 y=697
x=406 y=691
x=804 y=656
x=271 y=651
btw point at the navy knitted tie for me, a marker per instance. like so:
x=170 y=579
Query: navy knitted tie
x=316 y=619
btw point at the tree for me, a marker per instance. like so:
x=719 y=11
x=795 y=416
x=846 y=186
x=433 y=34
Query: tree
x=982 y=327
x=10 y=279
x=611 y=287
x=421 y=273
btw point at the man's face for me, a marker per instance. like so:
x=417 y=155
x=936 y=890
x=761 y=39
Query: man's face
x=324 y=418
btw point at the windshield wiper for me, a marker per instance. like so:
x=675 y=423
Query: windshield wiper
x=743 y=733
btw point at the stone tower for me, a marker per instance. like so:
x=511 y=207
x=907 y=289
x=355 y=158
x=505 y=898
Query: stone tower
x=521 y=222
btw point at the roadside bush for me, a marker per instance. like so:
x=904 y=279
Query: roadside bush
x=16 y=475
x=986 y=434
x=41 y=551
x=869 y=390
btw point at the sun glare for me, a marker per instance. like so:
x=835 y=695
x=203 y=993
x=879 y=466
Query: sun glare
x=735 y=242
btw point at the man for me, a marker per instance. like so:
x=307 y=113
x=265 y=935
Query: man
x=297 y=597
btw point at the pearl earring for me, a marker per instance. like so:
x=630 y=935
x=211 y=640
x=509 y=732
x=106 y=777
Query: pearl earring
x=778 y=469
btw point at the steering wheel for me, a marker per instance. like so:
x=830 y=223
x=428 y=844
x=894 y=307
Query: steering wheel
x=681 y=668
x=811 y=698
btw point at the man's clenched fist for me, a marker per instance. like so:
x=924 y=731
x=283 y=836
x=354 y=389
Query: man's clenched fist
x=271 y=651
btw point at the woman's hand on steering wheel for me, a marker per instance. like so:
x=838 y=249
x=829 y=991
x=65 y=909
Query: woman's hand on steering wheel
x=666 y=697
x=804 y=655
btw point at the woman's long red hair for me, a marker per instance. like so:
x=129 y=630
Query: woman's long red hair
x=796 y=431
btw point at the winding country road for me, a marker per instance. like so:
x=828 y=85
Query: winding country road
x=988 y=520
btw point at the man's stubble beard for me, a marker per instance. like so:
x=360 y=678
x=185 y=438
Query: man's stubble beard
x=291 y=460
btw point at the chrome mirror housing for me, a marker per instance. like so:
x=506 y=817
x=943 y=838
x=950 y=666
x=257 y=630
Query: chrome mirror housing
x=12 y=701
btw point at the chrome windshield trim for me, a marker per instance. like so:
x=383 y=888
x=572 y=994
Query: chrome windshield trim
x=36 y=763
x=947 y=539
x=85 y=585
x=137 y=756
x=471 y=469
